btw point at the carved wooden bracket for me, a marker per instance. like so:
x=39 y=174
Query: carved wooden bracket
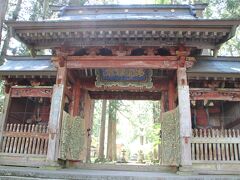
x=31 y=92
x=190 y=61
x=218 y=94
x=59 y=61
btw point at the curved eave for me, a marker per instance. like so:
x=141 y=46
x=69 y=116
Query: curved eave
x=192 y=32
x=21 y=66
x=173 y=22
x=214 y=68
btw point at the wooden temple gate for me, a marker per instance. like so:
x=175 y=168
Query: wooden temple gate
x=169 y=52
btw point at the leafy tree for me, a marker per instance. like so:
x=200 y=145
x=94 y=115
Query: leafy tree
x=6 y=42
x=3 y=9
x=226 y=9
x=113 y=107
x=77 y=2
x=163 y=1
x=102 y=131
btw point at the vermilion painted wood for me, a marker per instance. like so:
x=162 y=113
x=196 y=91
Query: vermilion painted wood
x=150 y=62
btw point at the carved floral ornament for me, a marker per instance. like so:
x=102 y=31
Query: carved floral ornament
x=31 y=92
x=202 y=94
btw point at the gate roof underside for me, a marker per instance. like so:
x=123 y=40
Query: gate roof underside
x=135 y=25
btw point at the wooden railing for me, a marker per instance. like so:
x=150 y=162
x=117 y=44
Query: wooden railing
x=215 y=145
x=25 y=139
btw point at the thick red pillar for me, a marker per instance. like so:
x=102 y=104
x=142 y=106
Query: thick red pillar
x=171 y=94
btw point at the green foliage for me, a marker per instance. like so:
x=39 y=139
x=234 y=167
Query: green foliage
x=162 y=1
x=226 y=9
x=77 y=2
x=97 y=119
x=153 y=134
x=114 y=106
x=100 y=160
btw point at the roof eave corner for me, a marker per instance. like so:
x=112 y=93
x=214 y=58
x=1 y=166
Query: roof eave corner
x=199 y=8
x=10 y=26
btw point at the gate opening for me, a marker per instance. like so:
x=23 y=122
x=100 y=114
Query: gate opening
x=126 y=132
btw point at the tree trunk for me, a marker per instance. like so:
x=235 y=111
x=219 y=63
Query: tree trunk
x=112 y=123
x=102 y=130
x=15 y=15
x=109 y=142
x=114 y=135
x=45 y=8
x=3 y=9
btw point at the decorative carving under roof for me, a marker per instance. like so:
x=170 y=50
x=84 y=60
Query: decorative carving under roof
x=159 y=26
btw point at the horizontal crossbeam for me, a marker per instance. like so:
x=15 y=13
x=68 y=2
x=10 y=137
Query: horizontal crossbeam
x=148 y=62
x=223 y=94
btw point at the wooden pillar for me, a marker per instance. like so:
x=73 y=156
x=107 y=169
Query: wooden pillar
x=76 y=99
x=185 y=118
x=164 y=101
x=57 y=105
x=6 y=107
x=171 y=94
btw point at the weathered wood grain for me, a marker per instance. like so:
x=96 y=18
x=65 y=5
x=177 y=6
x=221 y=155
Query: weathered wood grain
x=185 y=117
x=24 y=139
x=215 y=145
x=54 y=122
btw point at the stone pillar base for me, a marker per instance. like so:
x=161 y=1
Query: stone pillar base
x=185 y=170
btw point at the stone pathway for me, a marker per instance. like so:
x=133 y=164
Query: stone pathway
x=10 y=172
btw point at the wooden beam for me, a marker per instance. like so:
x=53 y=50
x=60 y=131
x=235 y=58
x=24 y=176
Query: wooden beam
x=31 y=91
x=224 y=94
x=151 y=62
x=68 y=93
x=232 y=124
x=125 y=95
x=71 y=77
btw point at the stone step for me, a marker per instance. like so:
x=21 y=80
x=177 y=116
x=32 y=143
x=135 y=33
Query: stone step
x=83 y=174
x=124 y=167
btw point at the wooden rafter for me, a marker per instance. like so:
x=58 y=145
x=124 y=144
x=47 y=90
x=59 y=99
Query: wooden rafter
x=196 y=33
